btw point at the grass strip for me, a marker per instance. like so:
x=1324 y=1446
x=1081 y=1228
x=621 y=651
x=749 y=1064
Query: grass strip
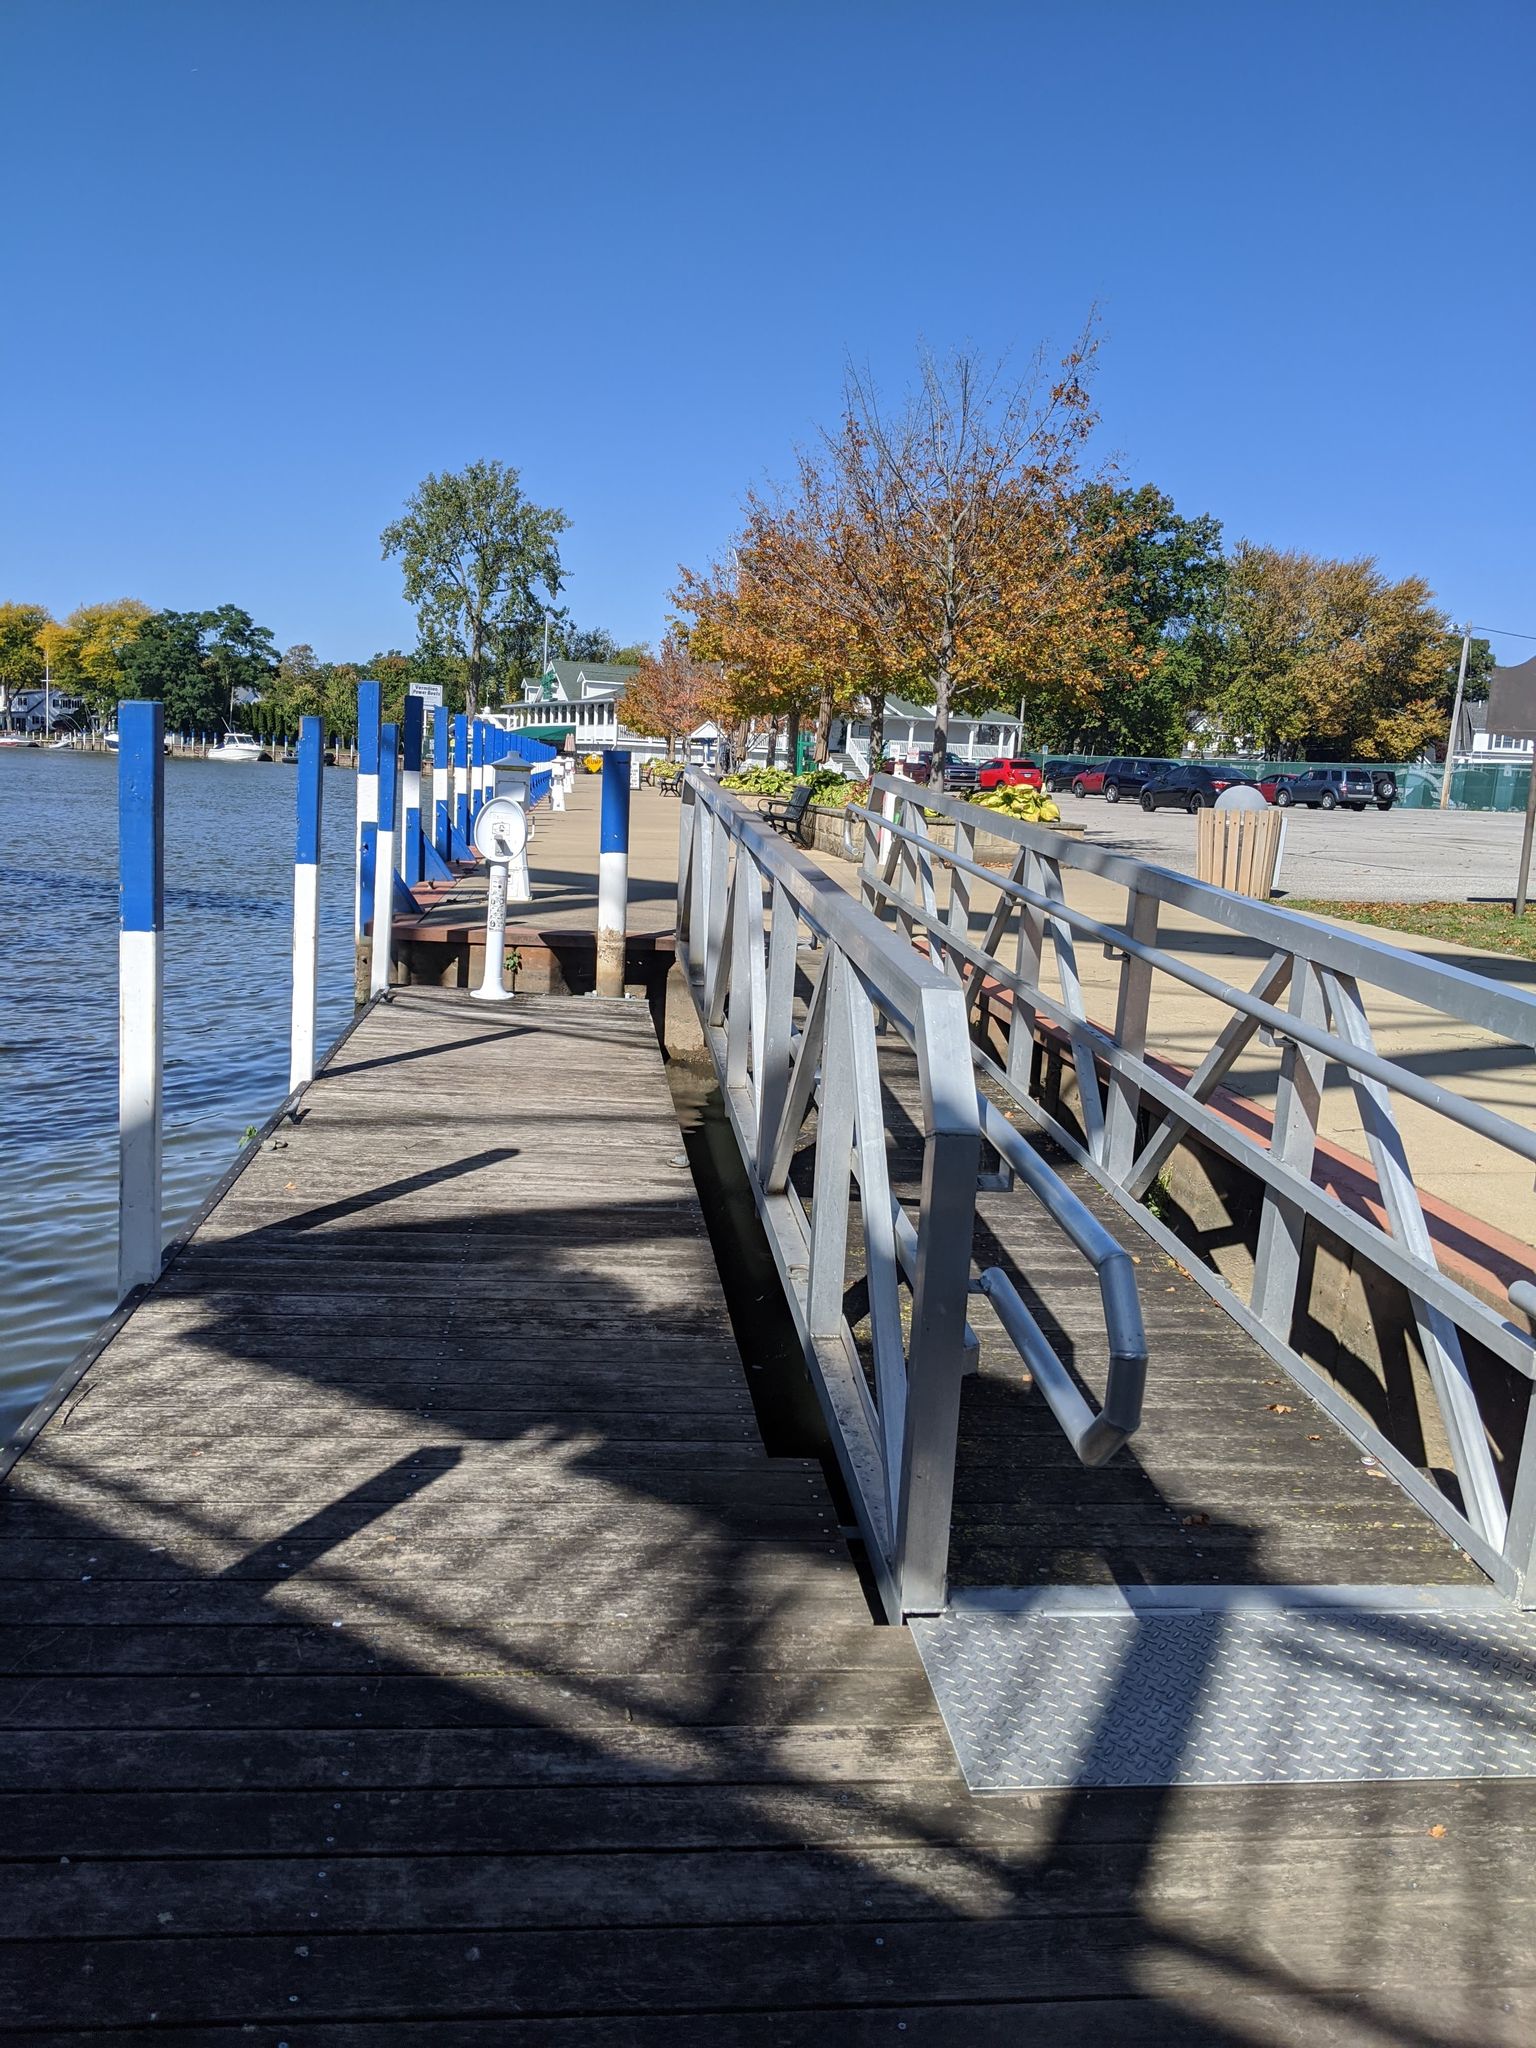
x=1492 y=927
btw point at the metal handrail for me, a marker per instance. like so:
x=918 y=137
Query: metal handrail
x=1438 y=985
x=1094 y=1434
x=1325 y=1021
x=1446 y=1102
x=897 y=1447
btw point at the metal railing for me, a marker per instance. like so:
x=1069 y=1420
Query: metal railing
x=794 y=981
x=1308 y=1000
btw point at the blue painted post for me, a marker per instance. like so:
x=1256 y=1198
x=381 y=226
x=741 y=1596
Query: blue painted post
x=476 y=772
x=369 y=696
x=462 y=850
x=306 y=903
x=441 y=819
x=410 y=740
x=140 y=988
x=384 y=865
x=613 y=873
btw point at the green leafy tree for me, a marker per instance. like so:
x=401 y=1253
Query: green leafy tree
x=481 y=565
x=21 y=655
x=298 y=689
x=1166 y=573
x=86 y=651
x=197 y=662
x=239 y=656
x=594 y=643
x=1331 y=659
x=165 y=660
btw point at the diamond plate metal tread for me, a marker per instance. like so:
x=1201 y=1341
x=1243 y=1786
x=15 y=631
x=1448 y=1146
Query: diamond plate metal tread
x=1243 y=1695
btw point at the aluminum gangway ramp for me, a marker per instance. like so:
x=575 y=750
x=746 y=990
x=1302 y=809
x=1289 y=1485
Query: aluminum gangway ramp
x=1239 y=1596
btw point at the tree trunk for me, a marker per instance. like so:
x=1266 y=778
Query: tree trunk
x=792 y=737
x=823 y=743
x=876 y=729
x=472 y=677
x=941 y=689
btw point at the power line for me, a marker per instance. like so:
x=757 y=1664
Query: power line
x=1503 y=633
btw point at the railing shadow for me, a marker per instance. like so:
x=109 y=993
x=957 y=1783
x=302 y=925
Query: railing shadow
x=468 y=1666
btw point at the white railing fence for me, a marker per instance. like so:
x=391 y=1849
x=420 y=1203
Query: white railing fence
x=1015 y=931
x=803 y=993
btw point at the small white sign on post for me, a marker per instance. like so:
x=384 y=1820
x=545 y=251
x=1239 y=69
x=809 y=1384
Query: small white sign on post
x=431 y=694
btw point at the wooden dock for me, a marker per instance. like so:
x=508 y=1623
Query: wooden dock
x=406 y=1643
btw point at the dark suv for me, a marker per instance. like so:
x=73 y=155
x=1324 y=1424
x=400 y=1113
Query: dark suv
x=1332 y=789
x=1125 y=775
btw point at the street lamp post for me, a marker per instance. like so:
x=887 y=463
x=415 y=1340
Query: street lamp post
x=1450 y=740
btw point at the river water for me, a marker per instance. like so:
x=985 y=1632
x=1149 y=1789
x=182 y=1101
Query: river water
x=229 y=833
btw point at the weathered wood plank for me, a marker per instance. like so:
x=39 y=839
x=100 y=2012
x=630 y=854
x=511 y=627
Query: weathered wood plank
x=416 y=1532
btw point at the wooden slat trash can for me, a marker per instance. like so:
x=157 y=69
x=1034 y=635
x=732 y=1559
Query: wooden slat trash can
x=1239 y=850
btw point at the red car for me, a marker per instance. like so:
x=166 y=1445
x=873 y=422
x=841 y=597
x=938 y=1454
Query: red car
x=1007 y=773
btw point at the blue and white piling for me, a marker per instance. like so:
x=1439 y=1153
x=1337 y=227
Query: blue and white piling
x=306 y=903
x=441 y=799
x=613 y=873
x=384 y=866
x=369 y=706
x=462 y=849
x=140 y=988
x=411 y=752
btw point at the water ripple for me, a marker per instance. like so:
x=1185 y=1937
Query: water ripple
x=228 y=898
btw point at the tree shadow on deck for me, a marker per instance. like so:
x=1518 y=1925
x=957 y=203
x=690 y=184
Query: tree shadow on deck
x=473 y=1671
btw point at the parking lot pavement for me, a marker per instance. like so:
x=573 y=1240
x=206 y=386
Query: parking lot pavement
x=1391 y=856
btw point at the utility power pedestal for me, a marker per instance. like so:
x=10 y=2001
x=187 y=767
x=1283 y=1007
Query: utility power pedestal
x=501 y=839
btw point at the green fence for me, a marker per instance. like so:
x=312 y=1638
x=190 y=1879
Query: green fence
x=1475 y=786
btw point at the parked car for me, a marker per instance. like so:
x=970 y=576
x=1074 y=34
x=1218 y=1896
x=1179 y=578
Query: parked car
x=1007 y=771
x=1123 y=776
x=958 y=774
x=1332 y=789
x=1194 y=786
x=1270 y=786
x=1058 y=774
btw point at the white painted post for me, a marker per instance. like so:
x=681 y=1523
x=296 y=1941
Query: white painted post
x=141 y=988
x=384 y=867
x=306 y=903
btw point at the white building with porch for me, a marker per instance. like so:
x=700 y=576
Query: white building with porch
x=584 y=701
x=909 y=733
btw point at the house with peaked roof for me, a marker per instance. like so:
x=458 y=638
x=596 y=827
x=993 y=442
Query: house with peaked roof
x=583 y=701
x=571 y=698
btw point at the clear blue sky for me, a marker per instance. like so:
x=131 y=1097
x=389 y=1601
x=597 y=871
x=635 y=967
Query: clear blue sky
x=268 y=263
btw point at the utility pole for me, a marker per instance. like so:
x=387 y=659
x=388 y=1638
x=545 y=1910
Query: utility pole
x=1450 y=741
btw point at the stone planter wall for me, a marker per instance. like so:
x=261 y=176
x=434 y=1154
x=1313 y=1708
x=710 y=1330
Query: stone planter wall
x=823 y=831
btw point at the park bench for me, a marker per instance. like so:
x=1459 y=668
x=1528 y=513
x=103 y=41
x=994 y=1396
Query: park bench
x=787 y=817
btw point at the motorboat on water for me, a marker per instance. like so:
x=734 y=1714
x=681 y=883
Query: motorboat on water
x=236 y=746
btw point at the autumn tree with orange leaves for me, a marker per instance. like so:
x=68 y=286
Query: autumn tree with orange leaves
x=671 y=694
x=990 y=586
x=776 y=620
x=937 y=549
